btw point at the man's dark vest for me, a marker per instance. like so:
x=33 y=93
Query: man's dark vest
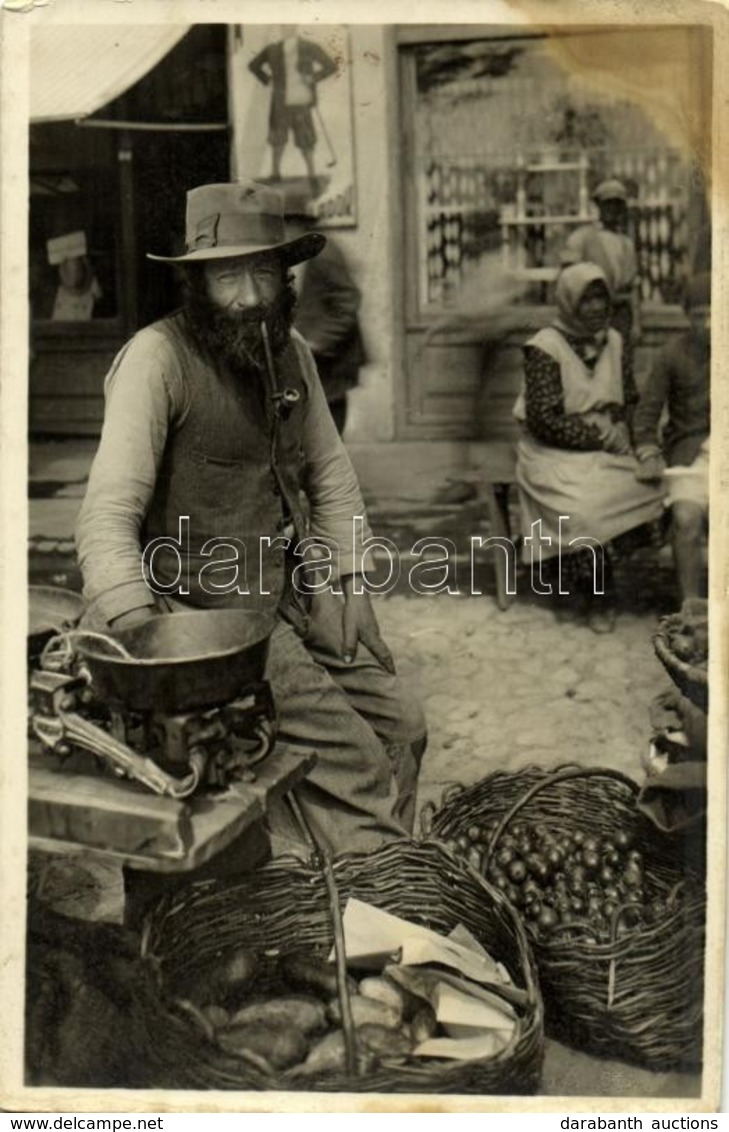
x=233 y=477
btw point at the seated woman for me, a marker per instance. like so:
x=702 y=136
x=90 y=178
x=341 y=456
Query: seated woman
x=576 y=469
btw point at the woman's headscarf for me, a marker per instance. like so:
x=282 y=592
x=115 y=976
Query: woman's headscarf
x=572 y=283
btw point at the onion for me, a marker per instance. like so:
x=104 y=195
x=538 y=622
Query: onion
x=548 y=919
x=517 y=871
x=576 y=880
x=513 y=895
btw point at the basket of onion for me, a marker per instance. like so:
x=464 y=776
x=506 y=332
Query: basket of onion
x=682 y=646
x=614 y=912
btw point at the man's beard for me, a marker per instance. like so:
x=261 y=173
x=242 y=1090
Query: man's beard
x=234 y=337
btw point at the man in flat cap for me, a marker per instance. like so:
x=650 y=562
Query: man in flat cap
x=216 y=414
x=606 y=243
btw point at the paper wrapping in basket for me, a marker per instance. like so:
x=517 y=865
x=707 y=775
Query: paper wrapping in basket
x=372 y=937
x=476 y=1021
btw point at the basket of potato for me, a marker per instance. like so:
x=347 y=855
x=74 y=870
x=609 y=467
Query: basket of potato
x=241 y=992
x=613 y=909
x=682 y=646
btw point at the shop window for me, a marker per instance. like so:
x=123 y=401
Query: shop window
x=507 y=147
x=73 y=251
x=74 y=240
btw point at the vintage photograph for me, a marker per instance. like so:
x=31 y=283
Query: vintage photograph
x=367 y=597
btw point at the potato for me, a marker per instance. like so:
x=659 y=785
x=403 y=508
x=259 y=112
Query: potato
x=281 y=1046
x=302 y=972
x=383 y=1041
x=382 y=990
x=328 y=1054
x=367 y=1010
x=305 y=1014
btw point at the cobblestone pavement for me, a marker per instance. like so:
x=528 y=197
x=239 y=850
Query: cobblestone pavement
x=505 y=689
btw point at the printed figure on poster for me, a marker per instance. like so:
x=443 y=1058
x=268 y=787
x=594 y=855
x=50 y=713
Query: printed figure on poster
x=292 y=113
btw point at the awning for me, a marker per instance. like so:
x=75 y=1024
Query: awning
x=74 y=70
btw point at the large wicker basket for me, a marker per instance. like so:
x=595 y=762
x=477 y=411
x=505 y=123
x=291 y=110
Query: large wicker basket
x=638 y=996
x=692 y=680
x=284 y=906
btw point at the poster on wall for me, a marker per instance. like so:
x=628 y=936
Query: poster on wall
x=291 y=92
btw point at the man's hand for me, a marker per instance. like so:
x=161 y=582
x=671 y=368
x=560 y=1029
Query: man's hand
x=134 y=617
x=650 y=468
x=616 y=439
x=360 y=624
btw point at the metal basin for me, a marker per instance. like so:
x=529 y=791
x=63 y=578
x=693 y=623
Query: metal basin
x=51 y=610
x=180 y=661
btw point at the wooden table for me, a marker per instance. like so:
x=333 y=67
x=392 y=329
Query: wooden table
x=75 y=808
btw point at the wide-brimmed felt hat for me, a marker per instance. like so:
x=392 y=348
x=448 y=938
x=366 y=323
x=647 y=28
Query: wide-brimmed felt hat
x=612 y=189
x=240 y=219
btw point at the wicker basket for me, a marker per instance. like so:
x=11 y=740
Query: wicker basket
x=638 y=996
x=691 y=680
x=284 y=907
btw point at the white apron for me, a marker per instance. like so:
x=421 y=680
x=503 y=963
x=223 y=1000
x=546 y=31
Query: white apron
x=595 y=493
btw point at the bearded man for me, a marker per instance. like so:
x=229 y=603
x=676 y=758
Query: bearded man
x=216 y=414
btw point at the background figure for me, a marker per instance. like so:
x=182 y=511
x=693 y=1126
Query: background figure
x=606 y=243
x=327 y=316
x=576 y=468
x=293 y=67
x=679 y=382
x=73 y=294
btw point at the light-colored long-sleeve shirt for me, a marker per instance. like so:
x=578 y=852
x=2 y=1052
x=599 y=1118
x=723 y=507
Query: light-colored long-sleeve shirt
x=146 y=399
x=614 y=252
x=679 y=382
